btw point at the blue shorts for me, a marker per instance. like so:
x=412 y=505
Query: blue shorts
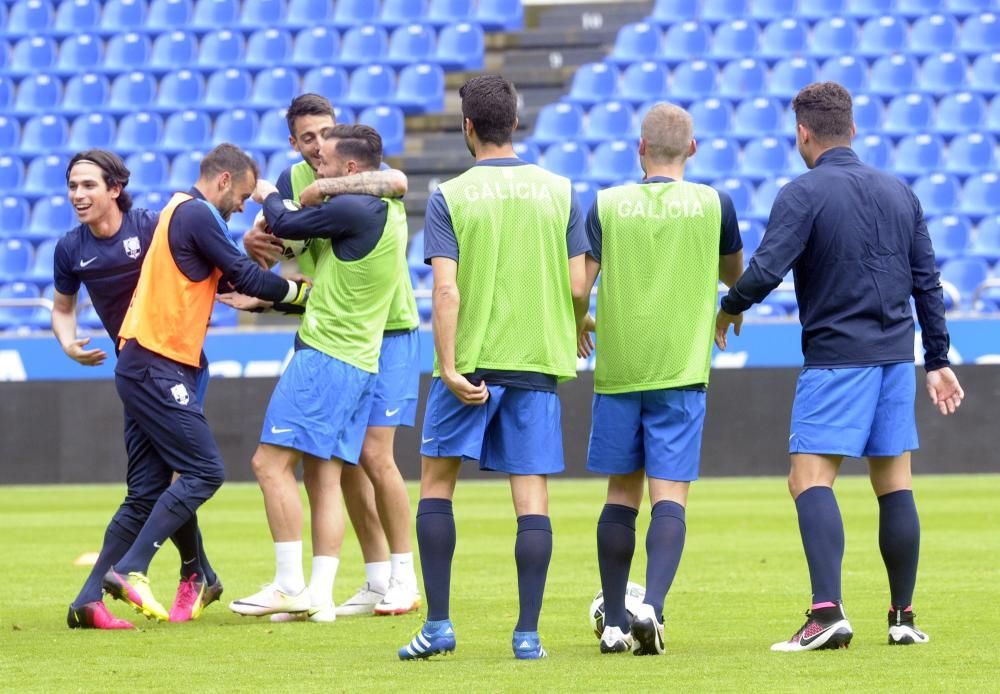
x=398 y=384
x=320 y=407
x=517 y=431
x=659 y=430
x=866 y=411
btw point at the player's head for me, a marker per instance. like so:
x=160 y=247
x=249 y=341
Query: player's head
x=96 y=181
x=309 y=116
x=667 y=137
x=227 y=178
x=350 y=149
x=489 y=110
x=824 y=118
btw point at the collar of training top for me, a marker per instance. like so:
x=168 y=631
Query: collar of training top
x=837 y=155
x=658 y=179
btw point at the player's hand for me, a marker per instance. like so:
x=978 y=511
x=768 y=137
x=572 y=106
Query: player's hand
x=263 y=189
x=467 y=393
x=243 y=302
x=722 y=322
x=311 y=195
x=88 y=357
x=263 y=248
x=945 y=390
x=585 y=340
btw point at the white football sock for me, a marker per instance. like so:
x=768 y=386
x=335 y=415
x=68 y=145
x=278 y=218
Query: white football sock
x=377 y=573
x=402 y=568
x=288 y=567
x=324 y=571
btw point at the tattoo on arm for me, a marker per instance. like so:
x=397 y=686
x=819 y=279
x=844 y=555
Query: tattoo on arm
x=381 y=184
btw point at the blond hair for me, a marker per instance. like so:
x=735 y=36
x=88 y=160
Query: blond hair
x=668 y=131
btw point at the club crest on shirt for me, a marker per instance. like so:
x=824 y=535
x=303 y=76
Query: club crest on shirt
x=180 y=394
x=132 y=247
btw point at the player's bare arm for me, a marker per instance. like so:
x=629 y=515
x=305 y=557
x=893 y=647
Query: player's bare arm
x=64 y=328
x=381 y=184
x=730 y=268
x=445 y=301
x=263 y=189
x=585 y=324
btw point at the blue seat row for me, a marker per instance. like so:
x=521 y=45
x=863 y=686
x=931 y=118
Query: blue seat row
x=671 y=11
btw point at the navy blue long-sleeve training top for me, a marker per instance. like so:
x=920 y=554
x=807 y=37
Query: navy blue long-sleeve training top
x=856 y=240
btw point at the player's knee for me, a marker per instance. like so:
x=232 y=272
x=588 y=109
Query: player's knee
x=262 y=470
x=214 y=475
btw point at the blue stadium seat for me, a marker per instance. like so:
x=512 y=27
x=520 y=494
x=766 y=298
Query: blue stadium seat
x=772 y=9
x=14 y=214
x=184 y=170
x=527 y=151
x=960 y=112
x=420 y=89
x=32 y=54
x=757 y=116
x=645 y=81
x=150 y=170
x=930 y=34
x=614 y=161
x=180 y=89
x=223 y=316
x=238 y=126
x=28 y=17
x=166 y=15
x=846 y=70
x=316 y=46
x=7 y=90
x=41 y=269
x=500 y=15
x=350 y=13
x=15 y=259
x=330 y=81
x=874 y=150
x=684 y=41
x=943 y=73
x=740 y=190
x=11 y=172
x=949 y=236
x=567 y=159
x=917 y=8
x=272 y=133
x=139 y=131
x=909 y=113
x=267 y=48
x=784 y=37
x=867 y=113
x=173 y=50
x=609 y=121
x=279 y=161
x=410 y=44
x=44 y=134
x=985 y=75
x=966 y=275
x=980 y=33
x=397 y=13
x=442 y=12
x=980 y=194
x=84 y=93
x=723 y=10
x=390 y=123
x=593 y=83
x=790 y=75
x=78 y=53
x=751 y=232
x=735 y=39
x=461 y=47
x=220 y=49
x=711 y=116
x=154 y=200
x=715 y=158
x=695 y=79
x=743 y=78
x=938 y=193
x=971 y=153
x=586 y=193
x=46 y=175
x=91 y=130
x=51 y=217
x=228 y=88
x=833 y=36
x=342 y=114
x=10 y=136
x=765 y=157
x=763 y=200
x=370 y=86
x=363 y=45
x=128 y=51
x=308 y=13
x=215 y=14
x=882 y=36
x=918 y=154
x=893 y=74
x=635 y=43
x=186 y=129
x=415 y=249
x=274 y=88
x=123 y=15
x=986 y=243
x=132 y=92
x=820 y=9
x=993 y=115
x=258 y=14
x=20 y=316
x=672 y=11
x=964 y=8
x=869 y=8
x=4 y=45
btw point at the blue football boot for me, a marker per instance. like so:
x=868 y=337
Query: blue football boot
x=434 y=638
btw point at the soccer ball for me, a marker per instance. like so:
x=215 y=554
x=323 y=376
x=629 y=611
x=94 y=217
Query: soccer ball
x=292 y=248
x=634 y=595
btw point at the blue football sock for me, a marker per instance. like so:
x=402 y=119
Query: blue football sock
x=532 y=553
x=209 y=572
x=822 y=533
x=615 y=547
x=186 y=540
x=168 y=514
x=899 y=540
x=117 y=540
x=664 y=545
x=436 y=540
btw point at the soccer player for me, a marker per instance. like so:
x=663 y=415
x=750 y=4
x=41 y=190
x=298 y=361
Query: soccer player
x=856 y=240
x=506 y=243
x=104 y=254
x=661 y=247
x=321 y=406
x=161 y=358
x=388 y=564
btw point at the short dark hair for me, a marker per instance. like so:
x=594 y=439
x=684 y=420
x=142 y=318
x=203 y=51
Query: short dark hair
x=113 y=169
x=228 y=157
x=362 y=143
x=490 y=102
x=308 y=104
x=825 y=108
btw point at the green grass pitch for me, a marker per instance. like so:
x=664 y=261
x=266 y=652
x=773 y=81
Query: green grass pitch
x=742 y=584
